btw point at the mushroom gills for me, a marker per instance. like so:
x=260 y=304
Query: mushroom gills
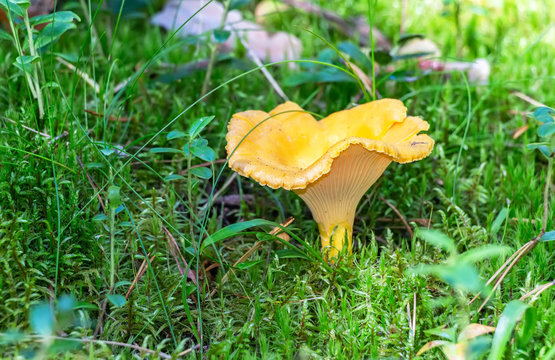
x=333 y=199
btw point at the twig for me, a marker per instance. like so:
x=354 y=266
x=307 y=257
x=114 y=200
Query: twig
x=527 y=98
x=101 y=316
x=85 y=77
x=107 y=342
x=26 y=127
x=174 y=249
x=401 y=217
x=190 y=350
x=263 y=69
x=537 y=291
x=139 y=275
x=245 y=256
x=91 y=182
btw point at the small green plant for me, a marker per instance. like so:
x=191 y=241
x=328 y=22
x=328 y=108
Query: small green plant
x=465 y=340
x=36 y=43
x=547 y=148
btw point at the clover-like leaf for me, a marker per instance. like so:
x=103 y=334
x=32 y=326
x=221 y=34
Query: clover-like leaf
x=200 y=124
x=546 y=129
x=201 y=172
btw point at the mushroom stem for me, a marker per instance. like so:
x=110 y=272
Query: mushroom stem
x=333 y=199
x=335 y=239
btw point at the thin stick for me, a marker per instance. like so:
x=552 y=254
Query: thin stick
x=139 y=275
x=528 y=99
x=190 y=350
x=26 y=127
x=83 y=75
x=263 y=69
x=537 y=291
x=107 y=342
x=401 y=217
x=174 y=249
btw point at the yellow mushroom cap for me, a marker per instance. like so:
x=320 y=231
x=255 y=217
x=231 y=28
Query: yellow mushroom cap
x=329 y=163
x=290 y=149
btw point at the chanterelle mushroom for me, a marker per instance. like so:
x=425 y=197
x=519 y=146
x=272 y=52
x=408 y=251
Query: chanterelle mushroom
x=329 y=163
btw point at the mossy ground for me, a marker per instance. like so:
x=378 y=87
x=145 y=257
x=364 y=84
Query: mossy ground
x=54 y=239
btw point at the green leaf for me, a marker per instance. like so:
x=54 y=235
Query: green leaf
x=100 y=217
x=25 y=4
x=291 y=254
x=94 y=165
x=199 y=125
x=24 y=63
x=51 y=85
x=354 y=52
x=122 y=283
x=60 y=16
x=85 y=305
x=543 y=147
x=71 y=57
x=548 y=236
x=11 y=7
x=4 y=35
x=221 y=36
x=12 y=336
x=42 y=319
x=173 y=177
x=546 y=150
x=233 y=230
x=499 y=220
x=528 y=325
x=66 y=303
x=114 y=196
x=203 y=152
x=52 y=32
x=482 y=253
x=461 y=275
x=117 y=300
x=175 y=134
x=438 y=239
x=158 y=150
x=543 y=114
x=300 y=78
x=59 y=346
x=505 y=326
x=546 y=129
x=442 y=332
x=248 y=264
x=236 y=4
x=201 y=172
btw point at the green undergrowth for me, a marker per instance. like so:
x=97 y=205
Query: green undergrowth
x=59 y=245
